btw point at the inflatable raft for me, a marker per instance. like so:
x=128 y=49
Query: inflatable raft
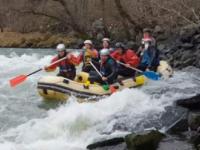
x=60 y=88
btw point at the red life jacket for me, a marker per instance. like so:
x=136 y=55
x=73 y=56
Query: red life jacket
x=128 y=57
x=64 y=66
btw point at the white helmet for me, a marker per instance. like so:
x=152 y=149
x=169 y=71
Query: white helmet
x=106 y=39
x=88 y=42
x=60 y=47
x=104 y=52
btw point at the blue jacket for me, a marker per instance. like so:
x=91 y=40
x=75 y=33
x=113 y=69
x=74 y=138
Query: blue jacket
x=150 y=57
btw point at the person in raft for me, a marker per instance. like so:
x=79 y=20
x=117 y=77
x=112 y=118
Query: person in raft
x=150 y=56
x=67 y=67
x=108 y=69
x=147 y=34
x=126 y=56
x=89 y=54
x=106 y=44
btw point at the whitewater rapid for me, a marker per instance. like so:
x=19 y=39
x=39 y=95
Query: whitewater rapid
x=25 y=125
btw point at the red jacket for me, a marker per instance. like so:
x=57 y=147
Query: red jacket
x=68 y=61
x=129 y=57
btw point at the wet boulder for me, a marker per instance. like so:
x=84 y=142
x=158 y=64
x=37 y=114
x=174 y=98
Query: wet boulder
x=147 y=140
x=107 y=143
x=194 y=120
x=188 y=32
x=195 y=139
x=190 y=103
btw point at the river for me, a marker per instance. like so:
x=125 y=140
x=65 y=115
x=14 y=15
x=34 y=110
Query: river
x=29 y=123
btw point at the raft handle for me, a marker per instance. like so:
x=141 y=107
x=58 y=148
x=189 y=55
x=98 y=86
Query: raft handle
x=66 y=81
x=45 y=91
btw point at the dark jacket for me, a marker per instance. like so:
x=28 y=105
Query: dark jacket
x=109 y=69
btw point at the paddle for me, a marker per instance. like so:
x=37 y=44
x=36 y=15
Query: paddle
x=149 y=74
x=19 y=79
x=105 y=87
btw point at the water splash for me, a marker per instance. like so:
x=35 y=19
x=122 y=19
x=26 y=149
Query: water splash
x=73 y=125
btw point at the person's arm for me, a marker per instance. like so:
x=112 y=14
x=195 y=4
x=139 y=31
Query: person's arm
x=133 y=59
x=94 y=53
x=77 y=60
x=53 y=67
x=74 y=60
x=116 y=56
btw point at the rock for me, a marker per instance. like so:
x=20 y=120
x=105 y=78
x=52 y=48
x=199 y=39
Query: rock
x=187 y=33
x=144 y=141
x=161 y=37
x=190 y=103
x=100 y=36
x=174 y=143
x=106 y=143
x=158 y=29
x=98 y=24
x=194 y=120
x=196 y=39
x=198 y=47
x=179 y=126
x=121 y=146
x=195 y=138
x=132 y=45
x=187 y=62
x=161 y=46
x=187 y=45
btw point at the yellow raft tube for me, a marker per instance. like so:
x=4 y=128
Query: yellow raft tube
x=59 y=88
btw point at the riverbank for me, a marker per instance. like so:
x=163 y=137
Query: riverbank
x=33 y=40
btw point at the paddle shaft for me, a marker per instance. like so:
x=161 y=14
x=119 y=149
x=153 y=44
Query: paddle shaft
x=96 y=69
x=47 y=66
x=110 y=86
x=130 y=67
x=149 y=74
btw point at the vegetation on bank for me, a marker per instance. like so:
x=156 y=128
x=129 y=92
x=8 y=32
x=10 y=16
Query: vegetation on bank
x=34 y=40
x=119 y=19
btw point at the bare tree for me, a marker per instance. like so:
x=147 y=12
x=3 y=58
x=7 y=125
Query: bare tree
x=66 y=19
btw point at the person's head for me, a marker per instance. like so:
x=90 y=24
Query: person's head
x=120 y=47
x=88 y=44
x=106 y=42
x=61 y=49
x=146 y=32
x=104 y=54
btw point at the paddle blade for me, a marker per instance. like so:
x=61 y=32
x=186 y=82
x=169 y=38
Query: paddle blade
x=112 y=89
x=151 y=75
x=17 y=80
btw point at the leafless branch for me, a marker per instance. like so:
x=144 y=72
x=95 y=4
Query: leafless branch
x=174 y=12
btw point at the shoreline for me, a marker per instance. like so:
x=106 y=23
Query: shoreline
x=33 y=40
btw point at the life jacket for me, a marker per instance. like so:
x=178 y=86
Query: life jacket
x=88 y=56
x=65 y=65
x=128 y=57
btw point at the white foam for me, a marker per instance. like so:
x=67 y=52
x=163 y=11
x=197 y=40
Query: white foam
x=74 y=125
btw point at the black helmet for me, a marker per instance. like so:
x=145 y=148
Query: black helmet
x=147 y=30
x=120 y=45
